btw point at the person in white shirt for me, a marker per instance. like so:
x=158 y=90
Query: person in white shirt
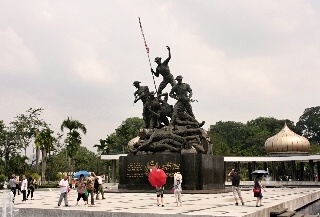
x=100 y=188
x=64 y=185
x=177 y=180
x=24 y=187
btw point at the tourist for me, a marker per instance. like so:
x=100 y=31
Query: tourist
x=64 y=184
x=257 y=190
x=30 y=188
x=96 y=187
x=81 y=191
x=24 y=186
x=90 y=187
x=100 y=188
x=234 y=174
x=73 y=183
x=177 y=189
x=18 y=185
x=159 y=192
x=13 y=186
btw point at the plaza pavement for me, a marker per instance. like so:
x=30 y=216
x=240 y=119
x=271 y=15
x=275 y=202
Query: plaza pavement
x=144 y=204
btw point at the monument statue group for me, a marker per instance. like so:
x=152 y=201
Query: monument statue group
x=168 y=128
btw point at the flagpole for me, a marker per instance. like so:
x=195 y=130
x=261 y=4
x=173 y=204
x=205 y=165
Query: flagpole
x=147 y=49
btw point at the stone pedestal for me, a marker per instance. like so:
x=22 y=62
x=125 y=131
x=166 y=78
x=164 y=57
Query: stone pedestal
x=199 y=171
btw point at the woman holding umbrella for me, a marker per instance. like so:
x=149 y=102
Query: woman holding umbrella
x=159 y=192
x=157 y=178
x=257 y=189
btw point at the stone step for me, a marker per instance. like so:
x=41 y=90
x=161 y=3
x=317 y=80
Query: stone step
x=298 y=215
x=278 y=211
x=287 y=214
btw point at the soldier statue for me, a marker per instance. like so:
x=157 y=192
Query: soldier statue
x=142 y=93
x=163 y=69
x=182 y=110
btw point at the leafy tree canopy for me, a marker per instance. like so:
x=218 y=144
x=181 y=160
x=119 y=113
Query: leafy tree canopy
x=309 y=124
x=237 y=139
x=117 y=142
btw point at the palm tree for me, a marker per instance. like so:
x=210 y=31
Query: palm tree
x=103 y=148
x=73 y=139
x=45 y=141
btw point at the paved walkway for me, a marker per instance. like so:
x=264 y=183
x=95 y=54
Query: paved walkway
x=221 y=204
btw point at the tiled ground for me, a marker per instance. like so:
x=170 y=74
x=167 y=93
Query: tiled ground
x=193 y=204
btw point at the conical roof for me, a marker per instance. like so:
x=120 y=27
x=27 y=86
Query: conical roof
x=287 y=141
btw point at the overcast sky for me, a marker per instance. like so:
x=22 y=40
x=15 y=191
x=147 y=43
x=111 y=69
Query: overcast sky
x=243 y=59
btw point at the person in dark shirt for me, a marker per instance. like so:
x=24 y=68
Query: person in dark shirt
x=234 y=174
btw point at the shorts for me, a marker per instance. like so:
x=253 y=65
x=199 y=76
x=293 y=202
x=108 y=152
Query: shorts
x=83 y=196
x=236 y=191
x=159 y=195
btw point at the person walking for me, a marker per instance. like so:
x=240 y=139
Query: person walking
x=18 y=185
x=257 y=190
x=13 y=186
x=24 y=186
x=100 y=188
x=90 y=187
x=234 y=174
x=81 y=191
x=160 y=192
x=30 y=188
x=63 y=184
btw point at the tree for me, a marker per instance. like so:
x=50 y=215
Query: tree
x=45 y=141
x=309 y=124
x=117 y=141
x=103 y=148
x=127 y=131
x=73 y=139
x=25 y=127
x=237 y=139
x=84 y=160
x=9 y=150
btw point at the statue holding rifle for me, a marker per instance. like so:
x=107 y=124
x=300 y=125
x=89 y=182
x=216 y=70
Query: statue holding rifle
x=182 y=110
x=142 y=93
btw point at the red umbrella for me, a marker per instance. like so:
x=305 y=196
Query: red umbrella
x=157 y=177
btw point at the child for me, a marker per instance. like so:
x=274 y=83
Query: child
x=159 y=192
x=177 y=180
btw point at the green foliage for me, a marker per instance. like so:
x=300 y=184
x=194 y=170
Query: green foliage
x=314 y=149
x=117 y=142
x=73 y=139
x=237 y=139
x=309 y=124
x=35 y=176
x=50 y=184
x=45 y=140
x=25 y=126
x=83 y=160
x=59 y=176
x=3 y=177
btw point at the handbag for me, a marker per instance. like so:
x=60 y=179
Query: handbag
x=86 y=193
x=256 y=190
x=172 y=189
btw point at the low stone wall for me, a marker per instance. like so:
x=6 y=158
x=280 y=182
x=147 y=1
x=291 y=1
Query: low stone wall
x=280 y=183
x=292 y=205
x=31 y=212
